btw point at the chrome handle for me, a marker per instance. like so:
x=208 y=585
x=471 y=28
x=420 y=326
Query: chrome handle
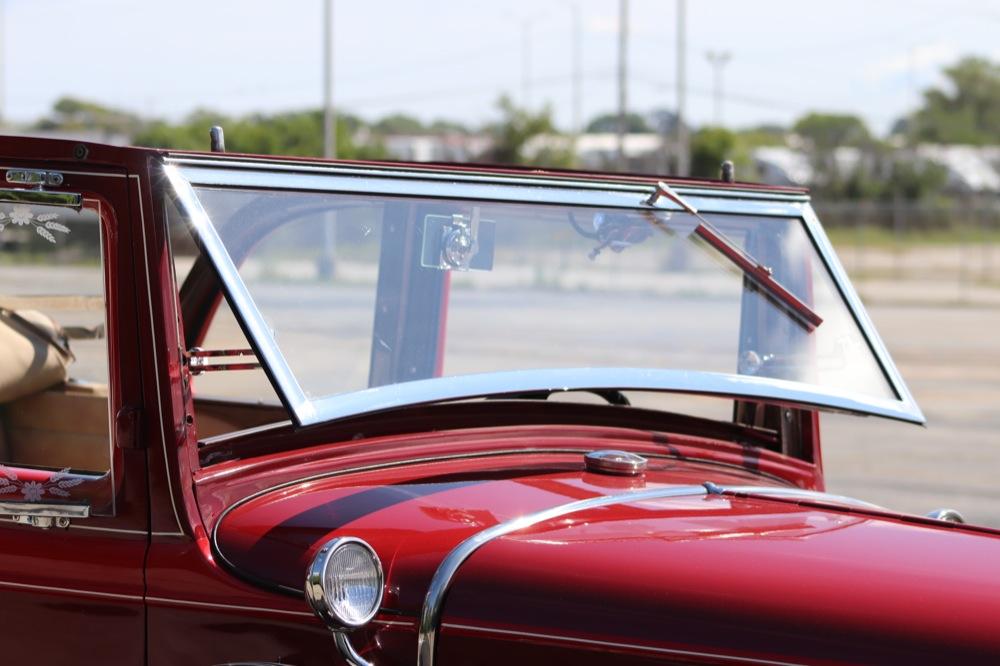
x=44 y=514
x=42 y=197
x=38 y=179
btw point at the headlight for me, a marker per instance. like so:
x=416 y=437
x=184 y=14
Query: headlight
x=344 y=583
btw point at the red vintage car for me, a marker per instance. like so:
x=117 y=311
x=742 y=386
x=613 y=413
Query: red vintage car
x=280 y=411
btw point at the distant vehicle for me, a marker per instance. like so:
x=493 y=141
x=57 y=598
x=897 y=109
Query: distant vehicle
x=291 y=411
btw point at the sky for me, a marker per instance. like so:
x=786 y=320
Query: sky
x=453 y=58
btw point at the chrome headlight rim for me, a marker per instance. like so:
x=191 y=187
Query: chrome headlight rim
x=316 y=590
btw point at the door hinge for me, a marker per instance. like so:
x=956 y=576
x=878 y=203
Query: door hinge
x=128 y=428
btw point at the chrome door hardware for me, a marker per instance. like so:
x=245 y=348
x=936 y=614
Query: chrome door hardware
x=35 y=177
x=42 y=514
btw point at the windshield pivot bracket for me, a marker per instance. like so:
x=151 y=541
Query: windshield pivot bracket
x=205 y=360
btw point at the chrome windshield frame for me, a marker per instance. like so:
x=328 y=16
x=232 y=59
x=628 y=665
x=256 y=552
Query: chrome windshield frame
x=185 y=172
x=512 y=382
x=242 y=303
x=857 y=310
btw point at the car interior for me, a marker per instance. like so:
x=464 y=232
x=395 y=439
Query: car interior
x=53 y=349
x=35 y=386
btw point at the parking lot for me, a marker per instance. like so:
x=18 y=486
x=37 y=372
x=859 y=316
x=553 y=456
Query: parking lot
x=950 y=357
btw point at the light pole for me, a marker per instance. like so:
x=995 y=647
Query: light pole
x=525 y=24
x=577 y=72
x=526 y=63
x=683 y=154
x=3 y=48
x=622 y=81
x=326 y=263
x=718 y=60
x=329 y=114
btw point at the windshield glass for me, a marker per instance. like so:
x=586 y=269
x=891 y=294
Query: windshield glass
x=362 y=291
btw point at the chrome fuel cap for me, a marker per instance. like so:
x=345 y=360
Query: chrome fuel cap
x=609 y=461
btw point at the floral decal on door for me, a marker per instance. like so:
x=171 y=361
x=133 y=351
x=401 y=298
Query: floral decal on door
x=57 y=485
x=21 y=215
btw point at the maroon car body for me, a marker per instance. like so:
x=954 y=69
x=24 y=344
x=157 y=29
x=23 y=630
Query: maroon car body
x=198 y=536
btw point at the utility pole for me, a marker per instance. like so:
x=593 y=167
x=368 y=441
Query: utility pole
x=329 y=114
x=577 y=73
x=622 y=81
x=718 y=60
x=3 y=64
x=526 y=63
x=683 y=152
x=525 y=23
x=326 y=263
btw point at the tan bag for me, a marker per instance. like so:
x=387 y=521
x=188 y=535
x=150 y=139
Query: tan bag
x=30 y=356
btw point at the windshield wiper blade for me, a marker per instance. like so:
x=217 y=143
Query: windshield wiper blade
x=757 y=272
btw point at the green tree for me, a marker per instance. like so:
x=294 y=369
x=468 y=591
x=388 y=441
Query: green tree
x=913 y=181
x=967 y=111
x=399 y=123
x=442 y=126
x=608 y=123
x=516 y=128
x=70 y=113
x=825 y=131
x=836 y=174
x=762 y=135
x=190 y=134
x=297 y=133
x=710 y=146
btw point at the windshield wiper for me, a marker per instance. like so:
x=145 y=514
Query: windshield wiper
x=755 y=271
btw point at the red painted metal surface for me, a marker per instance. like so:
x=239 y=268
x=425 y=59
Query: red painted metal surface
x=739 y=577
x=488 y=448
x=753 y=578
x=427 y=507
x=76 y=594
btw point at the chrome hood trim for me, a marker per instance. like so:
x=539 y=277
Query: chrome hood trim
x=430 y=615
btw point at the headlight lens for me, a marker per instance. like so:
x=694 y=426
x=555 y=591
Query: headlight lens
x=344 y=583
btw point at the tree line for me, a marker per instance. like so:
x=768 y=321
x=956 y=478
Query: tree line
x=963 y=111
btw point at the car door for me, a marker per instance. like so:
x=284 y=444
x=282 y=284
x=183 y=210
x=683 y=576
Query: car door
x=73 y=496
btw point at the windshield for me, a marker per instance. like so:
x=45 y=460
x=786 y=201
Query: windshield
x=359 y=291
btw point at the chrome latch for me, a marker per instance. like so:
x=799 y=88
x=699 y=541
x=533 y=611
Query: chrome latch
x=44 y=522
x=44 y=515
x=208 y=360
x=37 y=178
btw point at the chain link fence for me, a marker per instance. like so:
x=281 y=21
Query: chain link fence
x=935 y=253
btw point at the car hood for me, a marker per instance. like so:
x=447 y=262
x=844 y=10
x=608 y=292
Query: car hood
x=746 y=575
